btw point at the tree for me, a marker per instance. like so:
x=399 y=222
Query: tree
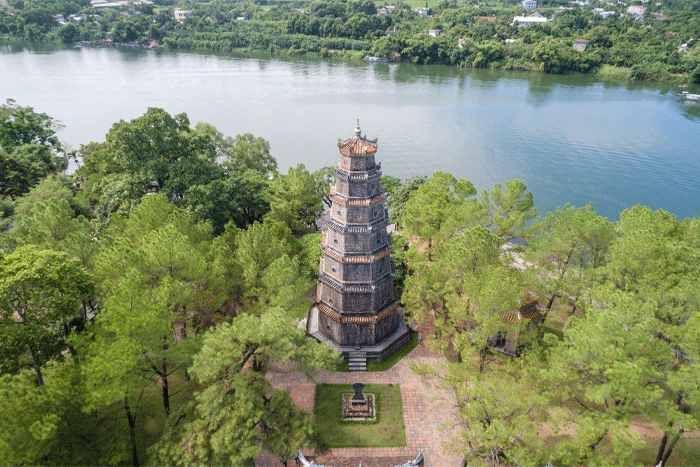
x=565 y=248
x=246 y=152
x=29 y=149
x=17 y=176
x=68 y=33
x=41 y=292
x=264 y=262
x=22 y=126
x=400 y=196
x=172 y=254
x=28 y=422
x=439 y=208
x=508 y=213
x=237 y=412
x=240 y=198
x=607 y=369
x=325 y=177
x=653 y=259
x=295 y=201
x=156 y=148
x=390 y=184
x=497 y=417
x=462 y=291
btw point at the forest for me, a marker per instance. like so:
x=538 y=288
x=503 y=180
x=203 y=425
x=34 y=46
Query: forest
x=469 y=33
x=144 y=297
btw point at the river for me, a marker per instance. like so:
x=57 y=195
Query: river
x=571 y=139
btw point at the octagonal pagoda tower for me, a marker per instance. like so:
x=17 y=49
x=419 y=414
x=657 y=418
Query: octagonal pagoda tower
x=356 y=308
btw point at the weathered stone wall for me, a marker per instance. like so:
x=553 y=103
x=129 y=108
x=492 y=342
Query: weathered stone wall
x=357 y=272
x=375 y=241
x=358 y=302
x=357 y=214
x=359 y=188
x=356 y=163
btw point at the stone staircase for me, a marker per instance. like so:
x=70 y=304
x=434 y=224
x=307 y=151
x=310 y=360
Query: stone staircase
x=358 y=360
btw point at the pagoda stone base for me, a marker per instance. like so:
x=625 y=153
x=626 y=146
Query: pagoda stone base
x=375 y=353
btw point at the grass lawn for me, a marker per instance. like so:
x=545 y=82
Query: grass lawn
x=332 y=432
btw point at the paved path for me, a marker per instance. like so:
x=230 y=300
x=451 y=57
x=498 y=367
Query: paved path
x=425 y=410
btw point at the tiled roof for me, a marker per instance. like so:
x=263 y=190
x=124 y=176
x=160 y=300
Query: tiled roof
x=528 y=310
x=356 y=319
x=355 y=259
x=356 y=202
x=357 y=146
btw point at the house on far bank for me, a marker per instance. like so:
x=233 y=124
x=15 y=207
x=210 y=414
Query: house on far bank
x=434 y=32
x=637 y=10
x=181 y=15
x=602 y=12
x=391 y=32
x=529 y=4
x=580 y=45
x=422 y=11
x=534 y=18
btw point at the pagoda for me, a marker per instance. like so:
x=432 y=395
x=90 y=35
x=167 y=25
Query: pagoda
x=356 y=308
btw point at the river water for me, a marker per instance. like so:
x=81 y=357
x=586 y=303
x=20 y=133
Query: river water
x=571 y=139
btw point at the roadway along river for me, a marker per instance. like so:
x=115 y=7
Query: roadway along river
x=570 y=138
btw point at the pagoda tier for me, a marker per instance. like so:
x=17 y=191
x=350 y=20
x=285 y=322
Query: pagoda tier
x=356 y=303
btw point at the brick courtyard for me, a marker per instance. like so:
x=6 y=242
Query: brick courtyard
x=425 y=410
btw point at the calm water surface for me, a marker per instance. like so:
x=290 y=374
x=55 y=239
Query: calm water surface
x=571 y=139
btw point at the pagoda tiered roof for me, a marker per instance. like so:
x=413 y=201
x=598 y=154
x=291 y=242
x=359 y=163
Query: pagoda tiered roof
x=357 y=145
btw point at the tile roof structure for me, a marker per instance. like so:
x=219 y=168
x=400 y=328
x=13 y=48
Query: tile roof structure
x=357 y=145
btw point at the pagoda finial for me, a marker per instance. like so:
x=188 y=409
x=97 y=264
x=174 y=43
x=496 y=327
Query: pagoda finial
x=357 y=128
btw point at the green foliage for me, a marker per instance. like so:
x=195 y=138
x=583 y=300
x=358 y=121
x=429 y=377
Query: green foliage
x=497 y=417
x=237 y=413
x=21 y=126
x=462 y=291
x=266 y=270
x=240 y=198
x=507 y=213
x=352 y=29
x=568 y=246
x=220 y=179
x=28 y=423
x=439 y=208
x=29 y=149
x=43 y=294
x=400 y=196
x=294 y=200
